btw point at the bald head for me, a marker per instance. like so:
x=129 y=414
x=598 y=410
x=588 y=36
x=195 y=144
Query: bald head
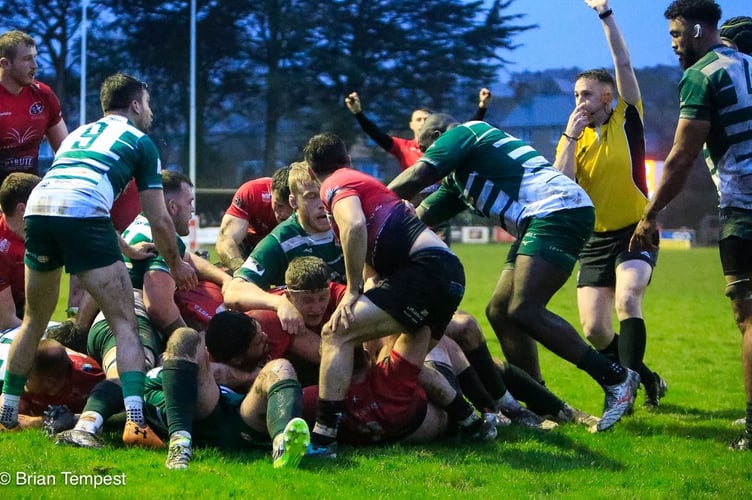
x=435 y=125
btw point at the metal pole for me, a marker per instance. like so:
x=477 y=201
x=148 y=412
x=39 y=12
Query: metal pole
x=192 y=119
x=84 y=22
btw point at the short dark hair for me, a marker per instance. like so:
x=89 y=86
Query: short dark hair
x=738 y=30
x=326 y=153
x=16 y=189
x=704 y=11
x=280 y=182
x=11 y=40
x=228 y=334
x=119 y=90
x=307 y=273
x=424 y=109
x=599 y=75
x=172 y=181
x=51 y=359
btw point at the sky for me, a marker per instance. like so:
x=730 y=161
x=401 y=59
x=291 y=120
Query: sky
x=569 y=33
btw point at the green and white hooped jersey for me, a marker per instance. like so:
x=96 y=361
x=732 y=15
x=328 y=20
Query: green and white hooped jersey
x=718 y=88
x=93 y=166
x=497 y=175
x=139 y=231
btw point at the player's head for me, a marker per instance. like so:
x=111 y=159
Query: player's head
x=737 y=33
x=594 y=90
x=51 y=364
x=178 y=194
x=121 y=93
x=235 y=339
x=307 y=281
x=693 y=27
x=15 y=190
x=306 y=200
x=435 y=125
x=11 y=41
x=281 y=194
x=326 y=153
x=18 y=53
x=417 y=118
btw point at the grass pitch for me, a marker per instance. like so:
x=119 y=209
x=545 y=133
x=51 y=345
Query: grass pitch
x=680 y=451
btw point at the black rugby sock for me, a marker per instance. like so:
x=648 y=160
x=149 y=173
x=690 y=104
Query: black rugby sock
x=632 y=340
x=603 y=370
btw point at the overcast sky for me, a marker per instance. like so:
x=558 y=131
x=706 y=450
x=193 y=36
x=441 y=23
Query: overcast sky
x=570 y=34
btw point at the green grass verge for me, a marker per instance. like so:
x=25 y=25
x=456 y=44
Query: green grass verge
x=678 y=452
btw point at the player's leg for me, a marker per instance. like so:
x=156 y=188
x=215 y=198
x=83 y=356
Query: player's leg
x=596 y=306
x=274 y=405
x=632 y=279
x=42 y=289
x=735 y=251
x=335 y=373
x=111 y=288
x=518 y=346
x=434 y=426
x=190 y=392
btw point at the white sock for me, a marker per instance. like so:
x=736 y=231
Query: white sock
x=9 y=410
x=507 y=402
x=90 y=421
x=134 y=410
x=181 y=436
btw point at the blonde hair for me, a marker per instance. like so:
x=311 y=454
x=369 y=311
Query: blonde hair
x=299 y=175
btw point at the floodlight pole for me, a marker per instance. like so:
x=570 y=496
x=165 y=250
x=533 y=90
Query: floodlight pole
x=192 y=116
x=84 y=27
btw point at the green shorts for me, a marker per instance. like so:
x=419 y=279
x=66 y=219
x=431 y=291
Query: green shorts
x=101 y=339
x=735 y=242
x=78 y=244
x=556 y=238
x=223 y=427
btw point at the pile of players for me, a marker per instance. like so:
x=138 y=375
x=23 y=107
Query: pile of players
x=333 y=316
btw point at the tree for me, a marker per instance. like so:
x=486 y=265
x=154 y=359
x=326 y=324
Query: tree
x=399 y=55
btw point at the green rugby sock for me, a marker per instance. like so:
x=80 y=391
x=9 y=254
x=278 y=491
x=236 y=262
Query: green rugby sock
x=180 y=386
x=284 y=402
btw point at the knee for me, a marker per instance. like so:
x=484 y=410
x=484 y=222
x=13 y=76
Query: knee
x=184 y=344
x=496 y=312
x=465 y=330
x=276 y=370
x=524 y=313
x=629 y=304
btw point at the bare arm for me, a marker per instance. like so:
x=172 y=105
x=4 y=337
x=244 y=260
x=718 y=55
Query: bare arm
x=232 y=231
x=56 y=133
x=349 y=216
x=688 y=140
x=207 y=271
x=626 y=81
x=410 y=181
x=242 y=295
x=159 y=300
x=234 y=378
x=163 y=233
x=139 y=251
x=8 y=318
x=564 y=161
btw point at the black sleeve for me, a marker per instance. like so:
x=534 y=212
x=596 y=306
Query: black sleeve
x=479 y=115
x=374 y=132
